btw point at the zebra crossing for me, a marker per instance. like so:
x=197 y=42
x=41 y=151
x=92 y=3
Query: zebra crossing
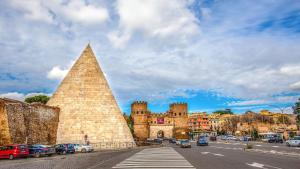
x=156 y=158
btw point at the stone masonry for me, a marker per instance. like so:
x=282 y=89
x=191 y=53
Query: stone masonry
x=89 y=111
x=27 y=123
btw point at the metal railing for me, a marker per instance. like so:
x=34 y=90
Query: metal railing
x=112 y=145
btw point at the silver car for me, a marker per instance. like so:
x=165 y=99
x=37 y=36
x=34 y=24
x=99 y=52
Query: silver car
x=83 y=148
x=293 y=141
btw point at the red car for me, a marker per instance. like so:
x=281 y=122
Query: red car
x=13 y=151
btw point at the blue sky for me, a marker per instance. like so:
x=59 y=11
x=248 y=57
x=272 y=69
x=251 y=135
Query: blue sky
x=212 y=54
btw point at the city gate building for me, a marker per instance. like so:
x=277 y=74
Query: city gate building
x=171 y=124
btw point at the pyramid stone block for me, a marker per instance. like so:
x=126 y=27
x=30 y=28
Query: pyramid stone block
x=89 y=111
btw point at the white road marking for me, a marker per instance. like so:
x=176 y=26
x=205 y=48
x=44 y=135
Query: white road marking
x=164 y=157
x=264 y=166
x=275 y=146
x=219 y=155
x=297 y=148
x=258 y=145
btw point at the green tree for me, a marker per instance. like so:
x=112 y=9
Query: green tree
x=37 y=99
x=129 y=121
x=297 y=112
x=254 y=133
x=221 y=112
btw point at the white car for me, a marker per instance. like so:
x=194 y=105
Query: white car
x=83 y=148
x=293 y=141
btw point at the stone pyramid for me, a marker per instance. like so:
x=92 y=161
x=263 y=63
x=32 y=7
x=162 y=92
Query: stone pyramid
x=88 y=109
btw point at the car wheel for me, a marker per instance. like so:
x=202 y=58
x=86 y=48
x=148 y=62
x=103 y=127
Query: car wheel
x=37 y=155
x=11 y=157
x=288 y=144
x=49 y=155
x=83 y=150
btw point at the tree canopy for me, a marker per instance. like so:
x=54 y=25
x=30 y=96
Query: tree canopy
x=37 y=99
x=221 y=112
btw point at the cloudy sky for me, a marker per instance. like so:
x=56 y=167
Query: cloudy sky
x=213 y=54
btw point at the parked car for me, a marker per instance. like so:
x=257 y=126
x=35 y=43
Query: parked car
x=202 y=141
x=172 y=140
x=83 y=148
x=64 y=148
x=178 y=142
x=246 y=138
x=293 y=141
x=224 y=137
x=230 y=137
x=213 y=138
x=275 y=140
x=14 y=151
x=38 y=150
x=185 y=144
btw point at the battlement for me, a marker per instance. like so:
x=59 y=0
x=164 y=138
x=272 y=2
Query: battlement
x=178 y=103
x=139 y=102
x=158 y=114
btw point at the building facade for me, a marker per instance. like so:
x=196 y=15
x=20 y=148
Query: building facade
x=171 y=124
x=199 y=124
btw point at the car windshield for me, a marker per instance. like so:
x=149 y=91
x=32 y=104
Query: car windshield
x=185 y=141
x=22 y=146
x=70 y=146
x=296 y=138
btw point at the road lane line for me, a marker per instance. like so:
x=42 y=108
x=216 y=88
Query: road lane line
x=264 y=166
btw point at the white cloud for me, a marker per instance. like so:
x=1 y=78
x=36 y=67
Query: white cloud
x=34 y=10
x=291 y=70
x=118 y=40
x=20 y=96
x=76 y=11
x=266 y=101
x=295 y=86
x=57 y=73
x=155 y=18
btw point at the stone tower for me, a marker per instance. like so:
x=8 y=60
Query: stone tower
x=140 y=113
x=179 y=111
x=88 y=109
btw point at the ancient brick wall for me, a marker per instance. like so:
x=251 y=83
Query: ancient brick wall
x=4 y=129
x=27 y=123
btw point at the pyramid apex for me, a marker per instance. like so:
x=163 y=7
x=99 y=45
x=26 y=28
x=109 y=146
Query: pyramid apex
x=88 y=47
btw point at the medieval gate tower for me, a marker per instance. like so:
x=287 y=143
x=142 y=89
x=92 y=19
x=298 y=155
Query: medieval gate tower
x=173 y=123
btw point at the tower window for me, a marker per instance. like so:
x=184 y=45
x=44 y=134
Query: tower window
x=179 y=114
x=175 y=114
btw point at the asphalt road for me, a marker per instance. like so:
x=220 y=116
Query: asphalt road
x=218 y=155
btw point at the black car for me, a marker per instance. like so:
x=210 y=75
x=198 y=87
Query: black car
x=38 y=150
x=172 y=140
x=275 y=140
x=65 y=148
